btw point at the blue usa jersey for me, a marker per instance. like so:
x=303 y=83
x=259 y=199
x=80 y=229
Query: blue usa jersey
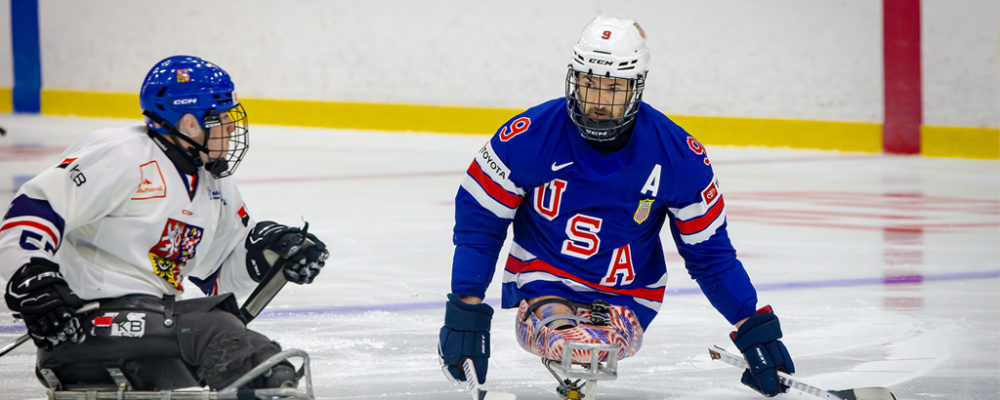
x=586 y=226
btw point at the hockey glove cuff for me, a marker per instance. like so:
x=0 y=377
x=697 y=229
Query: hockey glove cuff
x=272 y=245
x=758 y=340
x=465 y=334
x=38 y=291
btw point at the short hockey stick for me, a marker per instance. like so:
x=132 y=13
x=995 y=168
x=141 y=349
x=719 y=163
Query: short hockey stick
x=24 y=338
x=866 y=393
x=473 y=381
x=263 y=294
x=8 y=348
x=268 y=287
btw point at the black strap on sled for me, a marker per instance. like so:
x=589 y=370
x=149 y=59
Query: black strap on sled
x=538 y=304
x=599 y=309
x=168 y=310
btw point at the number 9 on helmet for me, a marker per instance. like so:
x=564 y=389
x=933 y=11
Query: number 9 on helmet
x=181 y=85
x=606 y=78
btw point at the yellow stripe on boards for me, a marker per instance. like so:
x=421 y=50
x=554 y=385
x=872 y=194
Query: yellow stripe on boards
x=946 y=141
x=6 y=100
x=383 y=117
x=90 y=104
x=318 y=114
x=825 y=135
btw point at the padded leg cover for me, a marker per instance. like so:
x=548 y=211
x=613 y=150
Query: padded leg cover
x=222 y=347
x=206 y=344
x=127 y=333
x=623 y=331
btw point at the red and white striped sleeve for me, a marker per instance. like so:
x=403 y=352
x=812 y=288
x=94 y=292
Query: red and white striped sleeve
x=488 y=181
x=84 y=187
x=697 y=222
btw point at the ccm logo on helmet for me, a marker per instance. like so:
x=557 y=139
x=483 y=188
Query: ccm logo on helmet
x=600 y=62
x=184 y=102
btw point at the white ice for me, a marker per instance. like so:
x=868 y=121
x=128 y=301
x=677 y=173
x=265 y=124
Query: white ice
x=884 y=269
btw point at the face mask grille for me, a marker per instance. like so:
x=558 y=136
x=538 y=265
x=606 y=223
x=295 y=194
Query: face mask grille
x=602 y=107
x=227 y=140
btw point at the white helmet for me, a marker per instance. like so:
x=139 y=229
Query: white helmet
x=609 y=47
x=612 y=47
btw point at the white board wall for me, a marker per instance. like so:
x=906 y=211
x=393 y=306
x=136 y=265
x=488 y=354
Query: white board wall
x=6 y=47
x=960 y=43
x=797 y=59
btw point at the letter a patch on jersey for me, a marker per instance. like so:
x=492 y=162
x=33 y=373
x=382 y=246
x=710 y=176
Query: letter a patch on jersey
x=642 y=212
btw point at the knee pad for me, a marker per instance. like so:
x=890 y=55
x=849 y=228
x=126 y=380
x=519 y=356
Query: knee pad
x=622 y=329
x=221 y=346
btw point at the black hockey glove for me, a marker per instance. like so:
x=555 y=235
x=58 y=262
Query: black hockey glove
x=758 y=340
x=270 y=244
x=466 y=334
x=38 y=291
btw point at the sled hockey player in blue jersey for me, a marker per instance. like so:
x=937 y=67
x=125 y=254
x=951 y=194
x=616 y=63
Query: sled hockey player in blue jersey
x=588 y=181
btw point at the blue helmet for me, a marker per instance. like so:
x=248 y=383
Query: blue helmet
x=182 y=85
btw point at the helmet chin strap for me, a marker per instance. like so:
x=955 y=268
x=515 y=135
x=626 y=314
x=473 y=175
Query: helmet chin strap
x=191 y=153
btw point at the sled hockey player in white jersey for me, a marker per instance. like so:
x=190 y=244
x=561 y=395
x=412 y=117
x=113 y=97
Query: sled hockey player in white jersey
x=588 y=181
x=122 y=218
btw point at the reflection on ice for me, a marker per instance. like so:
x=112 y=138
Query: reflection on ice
x=884 y=269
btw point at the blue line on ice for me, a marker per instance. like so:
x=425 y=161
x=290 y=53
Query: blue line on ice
x=430 y=305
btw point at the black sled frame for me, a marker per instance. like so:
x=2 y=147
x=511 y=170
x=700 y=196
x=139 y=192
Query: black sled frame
x=122 y=390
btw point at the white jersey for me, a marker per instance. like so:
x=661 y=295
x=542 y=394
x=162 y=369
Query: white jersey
x=119 y=218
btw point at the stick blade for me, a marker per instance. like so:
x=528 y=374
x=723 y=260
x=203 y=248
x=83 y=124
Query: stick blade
x=499 y=396
x=865 y=393
x=473 y=382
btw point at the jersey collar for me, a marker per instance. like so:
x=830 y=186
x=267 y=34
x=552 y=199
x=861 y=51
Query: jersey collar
x=182 y=161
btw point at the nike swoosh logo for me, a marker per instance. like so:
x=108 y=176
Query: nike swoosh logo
x=561 y=166
x=255 y=241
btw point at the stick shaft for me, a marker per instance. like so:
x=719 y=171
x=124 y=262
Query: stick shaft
x=471 y=379
x=24 y=338
x=865 y=393
x=269 y=287
x=10 y=347
x=263 y=294
x=740 y=362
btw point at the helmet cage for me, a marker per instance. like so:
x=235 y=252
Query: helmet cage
x=580 y=97
x=226 y=148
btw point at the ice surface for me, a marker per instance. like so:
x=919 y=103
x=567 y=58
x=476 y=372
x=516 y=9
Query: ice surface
x=884 y=269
